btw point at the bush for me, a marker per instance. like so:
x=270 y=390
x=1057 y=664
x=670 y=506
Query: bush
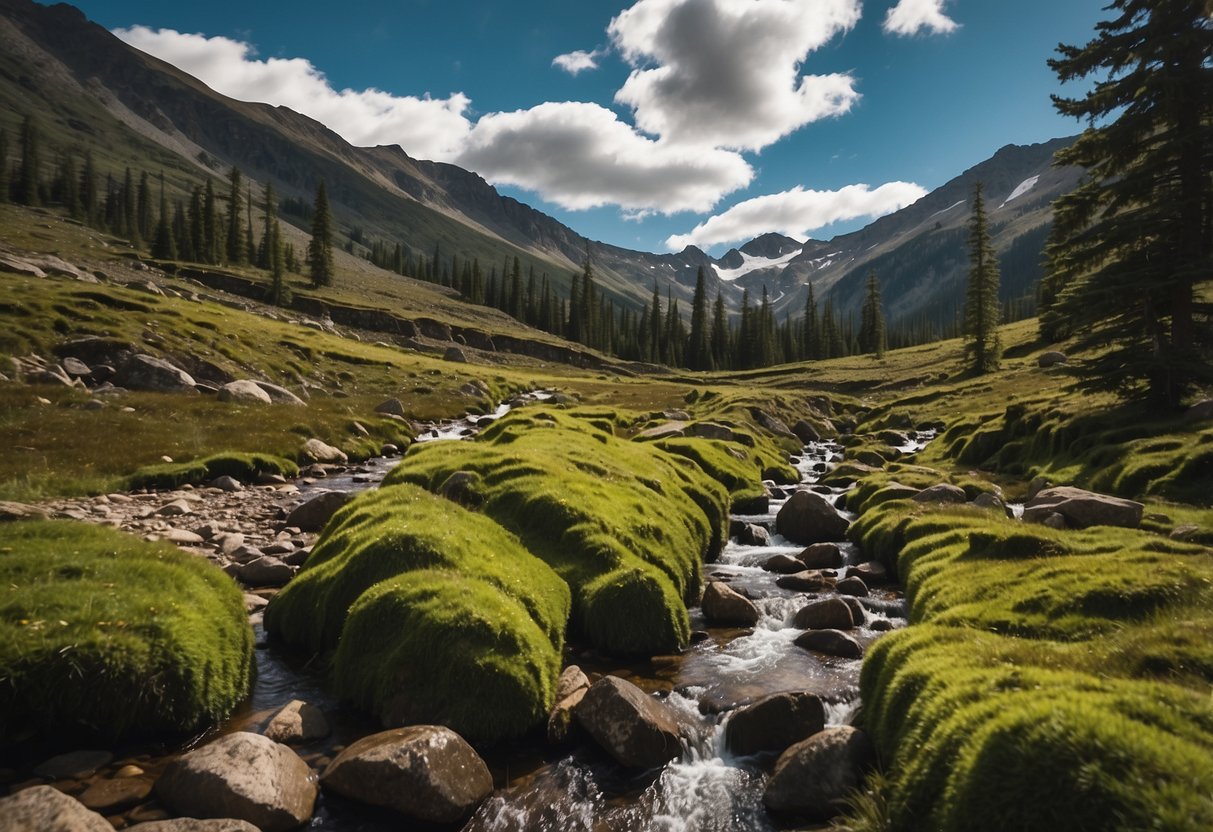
x=109 y=635
x=243 y=467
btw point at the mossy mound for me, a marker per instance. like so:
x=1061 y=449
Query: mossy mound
x=731 y=464
x=105 y=634
x=430 y=606
x=625 y=524
x=243 y=467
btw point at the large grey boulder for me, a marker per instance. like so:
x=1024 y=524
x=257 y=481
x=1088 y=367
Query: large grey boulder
x=723 y=605
x=806 y=432
x=826 y=614
x=631 y=726
x=425 y=772
x=312 y=515
x=317 y=451
x=813 y=778
x=244 y=776
x=1083 y=508
x=146 y=372
x=279 y=394
x=45 y=809
x=244 y=390
x=774 y=722
x=809 y=518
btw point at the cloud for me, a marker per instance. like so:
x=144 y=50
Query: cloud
x=581 y=156
x=909 y=17
x=726 y=73
x=428 y=128
x=579 y=61
x=797 y=213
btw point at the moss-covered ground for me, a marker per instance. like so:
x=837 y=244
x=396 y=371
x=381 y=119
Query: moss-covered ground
x=105 y=635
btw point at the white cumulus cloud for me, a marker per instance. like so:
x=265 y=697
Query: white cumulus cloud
x=582 y=156
x=909 y=17
x=428 y=128
x=578 y=61
x=798 y=213
x=727 y=73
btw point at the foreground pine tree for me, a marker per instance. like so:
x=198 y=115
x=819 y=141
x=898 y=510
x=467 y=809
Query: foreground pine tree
x=320 y=249
x=982 y=313
x=872 y=333
x=1133 y=245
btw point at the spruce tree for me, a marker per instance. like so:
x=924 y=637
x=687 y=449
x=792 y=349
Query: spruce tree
x=872 y=337
x=811 y=333
x=210 y=225
x=69 y=187
x=1131 y=256
x=88 y=191
x=654 y=333
x=28 y=175
x=163 y=245
x=130 y=210
x=320 y=249
x=720 y=334
x=144 y=207
x=237 y=254
x=699 y=348
x=4 y=178
x=197 y=226
x=981 y=316
x=265 y=253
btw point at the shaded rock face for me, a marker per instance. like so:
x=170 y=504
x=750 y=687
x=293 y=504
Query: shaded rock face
x=633 y=727
x=571 y=688
x=813 y=777
x=808 y=518
x=942 y=493
x=243 y=776
x=1083 y=508
x=425 y=772
x=145 y=372
x=826 y=614
x=296 y=722
x=316 y=512
x=806 y=432
x=774 y=723
x=192 y=825
x=753 y=535
x=243 y=390
x=45 y=809
x=821 y=556
x=830 y=642
x=1052 y=359
x=723 y=605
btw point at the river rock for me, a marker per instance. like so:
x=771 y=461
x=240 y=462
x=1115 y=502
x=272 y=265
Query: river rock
x=110 y=796
x=806 y=581
x=783 y=564
x=192 y=825
x=858 y=614
x=809 y=518
x=265 y=571
x=244 y=776
x=226 y=483
x=633 y=727
x=852 y=586
x=723 y=605
x=821 y=556
x=279 y=394
x=425 y=772
x=44 y=809
x=571 y=688
x=312 y=515
x=297 y=722
x=176 y=508
x=20 y=511
x=830 y=642
x=75 y=765
x=244 y=390
x=1083 y=508
x=806 y=432
x=774 y=722
x=942 y=493
x=711 y=430
x=826 y=614
x=871 y=573
x=753 y=535
x=146 y=372
x=318 y=451
x=814 y=777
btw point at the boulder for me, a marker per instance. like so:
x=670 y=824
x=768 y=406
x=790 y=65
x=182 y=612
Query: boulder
x=279 y=394
x=45 y=809
x=244 y=390
x=426 y=772
x=753 y=535
x=821 y=556
x=858 y=614
x=633 y=727
x=571 y=688
x=852 y=585
x=75 y=368
x=806 y=581
x=146 y=372
x=317 y=451
x=192 y=825
x=871 y=573
x=455 y=354
x=392 y=407
x=942 y=493
x=1052 y=359
x=20 y=511
x=311 y=516
x=783 y=565
x=1202 y=411
x=243 y=776
x=75 y=765
x=666 y=430
x=770 y=423
x=1083 y=508
x=723 y=605
x=265 y=571
x=226 y=483
x=990 y=501
x=112 y=796
x=830 y=642
x=806 y=432
x=711 y=430
x=814 y=777
x=826 y=614
x=809 y=518
x=297 y=722
x=774 y=722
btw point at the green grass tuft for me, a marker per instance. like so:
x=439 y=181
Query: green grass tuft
x=243 y=467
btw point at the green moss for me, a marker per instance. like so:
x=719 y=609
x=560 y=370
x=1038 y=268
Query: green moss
x=243 y=467
x=732 y=465
x=625 y=524
x=104 y=634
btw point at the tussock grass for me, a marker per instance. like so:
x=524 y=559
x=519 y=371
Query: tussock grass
x=243 y=467
x=106 y=635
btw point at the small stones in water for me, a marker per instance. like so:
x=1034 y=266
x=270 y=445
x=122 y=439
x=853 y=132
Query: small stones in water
x=753 y=535
x=804 y=581
x=871 y=573
x=783 y=564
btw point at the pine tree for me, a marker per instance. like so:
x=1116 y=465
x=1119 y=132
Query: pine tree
x=69 y=188
x=654 y=329
x=872 y=337
x=265 y=252
x=210 y=225
x=981 y=316
x=237 y=253
x=143 y=208
x=720 y=334
x=1132 y=249
x=28 y=175
x=811 y=332
x=88 y=191
x=4 y=178
x=320 y=249
x=699 y=348
x=197 y=227
x=163 y=245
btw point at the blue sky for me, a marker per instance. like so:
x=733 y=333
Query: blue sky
x=693 y=108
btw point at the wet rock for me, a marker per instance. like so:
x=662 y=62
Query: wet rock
x=870 y=458
x=852 y=586
x=297 y=722
x=1052 y=359
x=1083 y=508
x=110 y=796
x=806 y=581
x=871 y=573
x=244 y=391
x=425 y=772
x=192 y=825
x=809 y=518
x=633 y=727
x=45 y=809
x=312 y=515
x=774 y=723
x=882 y=625
x=806 y=432
x=942 y=493
x=570 y=690
x=279 y=394
x=813 y=778
x=145 y=372
x=858 y=614
x=783 y=565
x=724 y=606
x=752 y=505
x=243 y=776
x=893 y=438
x=753 y=535
x=265 y=571
x=826 y=614
x=821 y=556
x=317 y=451
x=830 y=642
x=75 y=765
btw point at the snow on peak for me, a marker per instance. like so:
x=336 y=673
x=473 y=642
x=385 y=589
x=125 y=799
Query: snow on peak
x=752 y=264
x=1023 y=187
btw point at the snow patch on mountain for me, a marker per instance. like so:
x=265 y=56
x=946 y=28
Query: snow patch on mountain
x=753 y=264
x=1021 y=189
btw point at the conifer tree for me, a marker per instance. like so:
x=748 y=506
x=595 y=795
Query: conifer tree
x=144 y=207
x=872 y=336
x=210 y=225
x=699 y=348
x=982 y=312
x=1132 y=250
x=720 y=334
x=28 y=175
x=515 y=299
x=130 y=210
x=4 y=178
x=811 y=333
x=265 y=252
x=654 y=333
x=163 y=245
x=237 y=253
x=320 y=249
x=197 y=227
x=88 y=191
x=69 y=188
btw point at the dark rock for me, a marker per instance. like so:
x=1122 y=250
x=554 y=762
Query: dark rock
x=711 y=430
x=316 y=512
x=1083 y=508
x=75 y=765
x=813 y=778
x=858 y=614
x=297 y=722
x=821 y=556
x=455 y=354
x=783 y=565
x=826 y=614
x=570 y=690
x=753 y=535
x=774 y=723
x=893 y=438
x=852 y=586
x=722 y=605
x=633 y=727
x=145 y=372
x=830 y=642
x=806 y=581
x=942 y=493
x=1052 y=359
x=809 y=518
x=1202 y=411
x=752 y=505
x=871 y=573
x=44 y=809
x=806 y=432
